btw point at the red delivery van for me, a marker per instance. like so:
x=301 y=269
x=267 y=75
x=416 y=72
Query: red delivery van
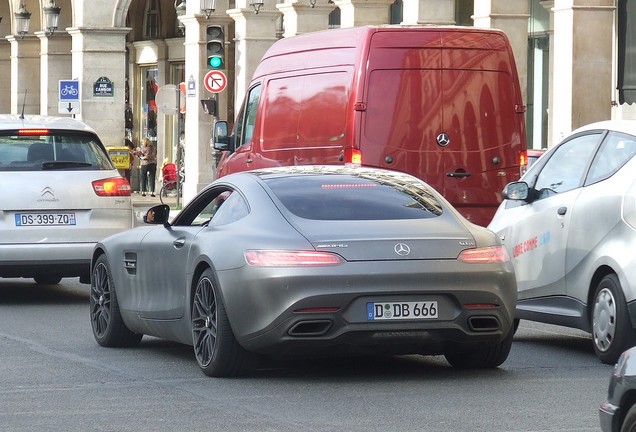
x=441 y=103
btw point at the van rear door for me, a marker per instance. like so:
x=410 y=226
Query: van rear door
x=445 y=107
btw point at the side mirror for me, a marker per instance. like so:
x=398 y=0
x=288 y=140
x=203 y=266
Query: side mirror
x=157 y=215
x=220 y=136
x=516 y=191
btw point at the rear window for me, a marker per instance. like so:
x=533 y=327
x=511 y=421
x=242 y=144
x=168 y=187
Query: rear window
x=31 y=150
x=345 y=197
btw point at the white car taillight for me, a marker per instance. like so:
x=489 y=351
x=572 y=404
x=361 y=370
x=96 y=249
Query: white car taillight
x=115 y=186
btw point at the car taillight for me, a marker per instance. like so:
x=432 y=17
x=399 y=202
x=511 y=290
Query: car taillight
x=485 y=255
x=353 y=156
x=523 y=162
x=282 y=258
x=115 y=186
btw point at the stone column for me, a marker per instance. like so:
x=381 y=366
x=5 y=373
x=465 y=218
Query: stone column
x=583 y=48
x=100 y=52
x=355 y=13
x=254 y=34
x=199 y=160
x=549 y=4
x=25 y=74
x=300 y=17
x=55 y=65
x=439 y=12
x=511 y=17
x=5 y=71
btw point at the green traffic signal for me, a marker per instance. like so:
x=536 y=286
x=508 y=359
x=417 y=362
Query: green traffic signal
x=215 y=46
x=215 y=62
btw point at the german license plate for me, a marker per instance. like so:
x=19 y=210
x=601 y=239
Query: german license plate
x=44 y=219
x=402 y=311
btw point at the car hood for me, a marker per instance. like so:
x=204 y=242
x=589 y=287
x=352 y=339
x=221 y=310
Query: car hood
x=435 y=238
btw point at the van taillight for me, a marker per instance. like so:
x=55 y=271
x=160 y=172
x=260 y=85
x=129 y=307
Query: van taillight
x=115 y=186
x=353 y=156
x=523 y=162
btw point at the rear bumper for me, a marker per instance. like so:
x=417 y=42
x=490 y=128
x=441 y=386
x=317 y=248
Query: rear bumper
x=284 y=312
x=61 y=259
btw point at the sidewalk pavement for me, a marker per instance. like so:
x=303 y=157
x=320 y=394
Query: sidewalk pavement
x=141 y=204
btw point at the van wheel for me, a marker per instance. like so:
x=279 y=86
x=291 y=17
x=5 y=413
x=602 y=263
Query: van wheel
x=611 y=327
x=484 y=357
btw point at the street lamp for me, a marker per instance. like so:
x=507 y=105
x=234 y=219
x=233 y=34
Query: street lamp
x=51 y=16
x=22 y=19
x=256 y=4
x=208 y=6
x=181 y=10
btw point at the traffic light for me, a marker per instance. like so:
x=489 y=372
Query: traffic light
x=215 y=45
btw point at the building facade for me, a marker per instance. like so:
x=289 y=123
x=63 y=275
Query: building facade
x=141 y=64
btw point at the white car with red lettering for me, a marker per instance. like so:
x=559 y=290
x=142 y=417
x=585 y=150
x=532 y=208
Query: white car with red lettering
x=569 y=225
x=60 y=194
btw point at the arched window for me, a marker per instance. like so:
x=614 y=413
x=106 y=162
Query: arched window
x=151 y=20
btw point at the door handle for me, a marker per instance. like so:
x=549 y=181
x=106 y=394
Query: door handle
x=458 y=174
x=562 y=211
x=178 y=243
x=248 y=158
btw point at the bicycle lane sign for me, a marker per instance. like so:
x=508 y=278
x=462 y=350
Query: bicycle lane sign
x=69 y=97
x=69 y=90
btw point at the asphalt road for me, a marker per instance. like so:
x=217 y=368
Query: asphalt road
x=54 y=377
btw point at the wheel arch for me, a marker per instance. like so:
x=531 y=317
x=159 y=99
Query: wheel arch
x=598 y=275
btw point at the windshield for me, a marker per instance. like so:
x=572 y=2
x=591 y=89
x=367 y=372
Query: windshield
x=43 y=149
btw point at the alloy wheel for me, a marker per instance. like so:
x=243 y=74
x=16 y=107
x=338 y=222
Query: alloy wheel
x=100 y=300
x=204 y=322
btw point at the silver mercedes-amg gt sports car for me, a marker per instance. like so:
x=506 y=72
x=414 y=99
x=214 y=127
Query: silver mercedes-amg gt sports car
x=308 y=261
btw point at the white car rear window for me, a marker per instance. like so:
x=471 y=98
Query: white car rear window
x=33 y=150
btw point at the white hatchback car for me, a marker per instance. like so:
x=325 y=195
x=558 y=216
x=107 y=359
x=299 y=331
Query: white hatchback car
x=60 y=194
x=570 y=226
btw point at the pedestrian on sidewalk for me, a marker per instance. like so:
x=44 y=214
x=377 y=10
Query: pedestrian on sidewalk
x=148 y=165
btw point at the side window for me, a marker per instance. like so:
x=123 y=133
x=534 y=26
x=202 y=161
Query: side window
x=615 y=151
x=245 y=127
x=566 y=167
x=232 y=209
x=201 y=211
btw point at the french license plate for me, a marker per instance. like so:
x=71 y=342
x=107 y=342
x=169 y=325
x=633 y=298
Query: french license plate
x=44 y=219
x=402 y=310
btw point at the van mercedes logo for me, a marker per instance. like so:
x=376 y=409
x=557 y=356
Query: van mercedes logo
x=443 y=139
x=402 y=249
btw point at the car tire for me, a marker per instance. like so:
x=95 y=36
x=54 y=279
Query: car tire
x=611 y=327
x=515 y=325
x=47 y=280
x=216 y=349
x=484 y=357
x=629 y=423
x=108 y=326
